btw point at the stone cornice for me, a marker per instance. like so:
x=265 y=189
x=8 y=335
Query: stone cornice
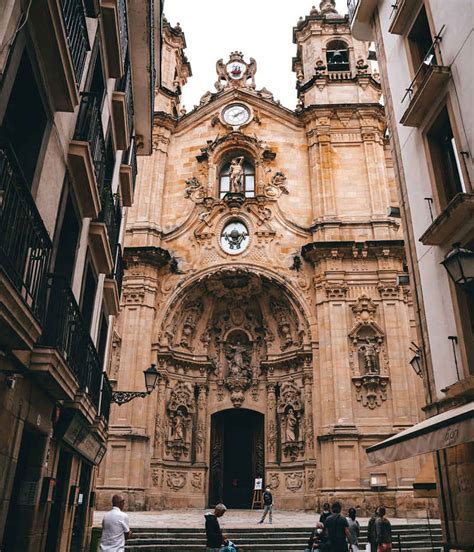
x=312 y=252
x=149 y=255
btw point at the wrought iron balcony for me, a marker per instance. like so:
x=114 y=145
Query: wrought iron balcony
x=89 y=129
x=427 y=85
x=25 y=246
x=125 y=85
x=66 y=331
x=118 y=268
x=114 y=20
x=128 y=174
x=109 y=215
x=106 y=398
x=76 y=34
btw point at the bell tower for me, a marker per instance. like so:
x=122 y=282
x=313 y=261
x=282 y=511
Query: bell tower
x=330 y=65
x=175 y=70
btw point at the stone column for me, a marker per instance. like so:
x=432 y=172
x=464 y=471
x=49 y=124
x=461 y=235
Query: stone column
x=160 y=421
x=308 y=416
x=201 y=416
x=271 y=424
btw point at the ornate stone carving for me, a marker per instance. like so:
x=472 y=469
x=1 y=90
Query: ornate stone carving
x=176 y=480
x=368 y=357
x=311 y=479
x=294 y=481
x=115 y=356
x=236 y=72
x=155 y=477
x=180 y=408
x=192 y=313
x=196 y=480
x=277 y=185
x=239 y=373
x=290 y=408
x=274 y=481
x=283 y=318
x=194 y=190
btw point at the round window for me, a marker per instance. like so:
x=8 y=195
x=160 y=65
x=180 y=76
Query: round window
x=234 y=237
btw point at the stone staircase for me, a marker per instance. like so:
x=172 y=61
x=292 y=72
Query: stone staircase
x=271 y=539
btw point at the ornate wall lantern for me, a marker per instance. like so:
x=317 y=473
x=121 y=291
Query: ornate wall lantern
x=459 y=264
x=416 y=362
x=151 y=380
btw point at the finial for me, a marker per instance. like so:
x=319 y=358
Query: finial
x=327 y=6
x=314 y=11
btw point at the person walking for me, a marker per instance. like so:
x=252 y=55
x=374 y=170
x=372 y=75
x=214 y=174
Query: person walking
x=372 y=532
x=326 y=513
x=338 y=532
x=115 y=527
x=354 y=529
x=214 y=537
x=384 y=532
x=267 y=505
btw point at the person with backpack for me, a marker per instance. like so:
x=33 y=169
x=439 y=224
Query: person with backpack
x=383 y=528
x=267 y=505
x=337 y=528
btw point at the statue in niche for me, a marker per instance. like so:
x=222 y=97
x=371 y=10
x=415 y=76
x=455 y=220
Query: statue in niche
x=178 y=426
x=236 y=172
x=236 y=359
x=291 y=425
x=368 y=353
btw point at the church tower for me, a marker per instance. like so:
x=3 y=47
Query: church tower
x=264 y=281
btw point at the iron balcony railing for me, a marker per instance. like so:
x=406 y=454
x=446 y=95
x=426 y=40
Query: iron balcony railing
x=129 y=157
x=76 y=34
x=117 y=274
x=123 y=26
x=89 y=129
x=25 y=247
x=66 y=331
x=428 y=61
x=124 y=84
x=109 y=215
x=106 y=398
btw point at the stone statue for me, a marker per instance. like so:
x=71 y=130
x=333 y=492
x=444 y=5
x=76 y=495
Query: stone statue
x=291 y=426
x=370 y=359
x=236 y=362
x=221 y=74
x=178 y=426
x=235 y=175
x=251 y=70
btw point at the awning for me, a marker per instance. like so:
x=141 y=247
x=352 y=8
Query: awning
x=444 y=430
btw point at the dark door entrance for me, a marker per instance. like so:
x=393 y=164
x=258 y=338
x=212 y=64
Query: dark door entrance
x=236 y=457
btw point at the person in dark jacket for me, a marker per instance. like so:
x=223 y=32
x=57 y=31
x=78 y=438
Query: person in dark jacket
x=214 y=537
x=326 y=513
x=267 y=505
x=318 y=539
x=337 y=528
x=384 y=532
x=372 y=532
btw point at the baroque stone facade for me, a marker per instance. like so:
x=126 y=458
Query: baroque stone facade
x=267 y=267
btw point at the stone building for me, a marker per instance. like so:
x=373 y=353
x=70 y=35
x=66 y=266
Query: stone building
x=76 y=107
x=266 y=280
x=424 y=49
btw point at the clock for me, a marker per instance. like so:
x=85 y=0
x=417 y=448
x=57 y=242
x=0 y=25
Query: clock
x=236 y=114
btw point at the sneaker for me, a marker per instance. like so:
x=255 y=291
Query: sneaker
x=260 y=521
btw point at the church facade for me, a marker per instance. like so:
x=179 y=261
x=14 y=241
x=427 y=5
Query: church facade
x=266 y=280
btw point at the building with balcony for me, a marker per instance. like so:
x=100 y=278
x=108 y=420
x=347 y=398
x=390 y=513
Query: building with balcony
x=424 y=50
x=77 y=84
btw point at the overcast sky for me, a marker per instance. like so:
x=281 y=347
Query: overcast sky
x=261 y=29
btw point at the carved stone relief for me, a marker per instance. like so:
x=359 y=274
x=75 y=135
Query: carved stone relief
x=274 y=481
x=290 y=409
x=176 y=480
x=180 y=409
x=196 y=480
x=294 y=481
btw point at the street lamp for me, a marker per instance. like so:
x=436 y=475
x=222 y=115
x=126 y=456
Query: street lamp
x=416 y=362
x=459 y=264
x=151 y=379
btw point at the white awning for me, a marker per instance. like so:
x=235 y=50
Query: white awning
x=444 y=430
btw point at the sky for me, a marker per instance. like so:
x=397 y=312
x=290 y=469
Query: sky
x=261 y=29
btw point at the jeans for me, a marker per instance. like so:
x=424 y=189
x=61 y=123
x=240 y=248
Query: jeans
x=267 y=509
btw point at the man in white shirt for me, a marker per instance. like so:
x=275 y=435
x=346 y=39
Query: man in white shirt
x=115 y=527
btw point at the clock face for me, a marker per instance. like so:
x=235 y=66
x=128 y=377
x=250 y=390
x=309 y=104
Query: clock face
x=236 y=69
x=236 y=114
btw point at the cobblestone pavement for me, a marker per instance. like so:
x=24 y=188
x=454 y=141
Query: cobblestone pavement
x=232 y=519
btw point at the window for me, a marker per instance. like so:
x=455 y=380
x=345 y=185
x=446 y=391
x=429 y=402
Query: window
x=337 y=56
x=67 y=242
x=97 y=80
x=25 y=119
x=420 y=41
x=247 y=179
x=88 y=295
x=444 y=158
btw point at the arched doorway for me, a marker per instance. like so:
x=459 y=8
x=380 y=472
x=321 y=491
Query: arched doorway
x=237 y=457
